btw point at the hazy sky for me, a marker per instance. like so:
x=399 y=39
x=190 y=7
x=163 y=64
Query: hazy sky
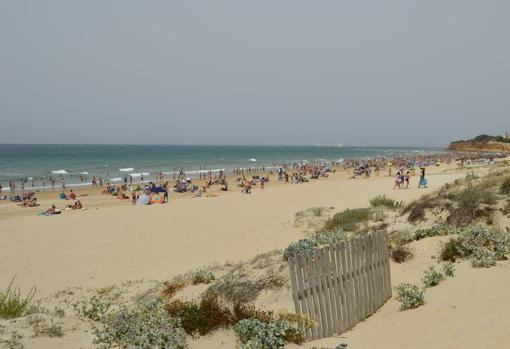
x=253 y=72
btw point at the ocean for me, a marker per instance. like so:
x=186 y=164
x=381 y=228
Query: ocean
x=113 y=162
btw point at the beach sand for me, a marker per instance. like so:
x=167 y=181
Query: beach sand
x=112 y=241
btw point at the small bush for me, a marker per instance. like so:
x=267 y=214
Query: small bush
x=436 y=230
x=141 y=328
x=401 y=237
x=13 y=305
x=301 y=246
x=410 y=296
x=418 y=208
x=253 y=333
x=202 y=277
x=469 y=207
x=94 y=308
x=401 y=253
x=239 y=286
x=483 y=258
x=317 y=211
x=245 y=311
x=41 y=328
x=301 y=320
x=347 y=220
x=383 y=201
x=432 y=277
x=450 y=250
x=170 y=288
x=484 y=247
x=201 y=318
x=505 y=187
x=449 y=269
x=326 y=237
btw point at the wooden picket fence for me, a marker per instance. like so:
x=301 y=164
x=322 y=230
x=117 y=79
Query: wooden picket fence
x=340 y=285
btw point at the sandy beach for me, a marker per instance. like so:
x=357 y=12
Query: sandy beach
x=112 y=242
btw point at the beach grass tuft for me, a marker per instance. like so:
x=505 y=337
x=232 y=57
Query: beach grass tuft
x=13 y=304
x=383 y=201
x=347 y=220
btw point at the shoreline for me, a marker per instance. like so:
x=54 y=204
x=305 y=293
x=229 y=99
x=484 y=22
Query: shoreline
x=202 y=173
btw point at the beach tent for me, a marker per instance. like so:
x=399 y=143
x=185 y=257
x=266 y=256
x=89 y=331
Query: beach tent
x=143 y=200
x=157 y=190
x=156 y=199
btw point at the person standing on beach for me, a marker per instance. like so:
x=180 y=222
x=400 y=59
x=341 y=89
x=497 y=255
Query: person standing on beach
x=423 y=181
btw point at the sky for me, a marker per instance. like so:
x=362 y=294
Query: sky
x=273 y=72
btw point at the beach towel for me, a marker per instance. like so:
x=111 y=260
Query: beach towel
x=143 y=200
x=156 y=199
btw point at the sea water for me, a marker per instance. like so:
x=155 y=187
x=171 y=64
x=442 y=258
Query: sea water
x=78 y=163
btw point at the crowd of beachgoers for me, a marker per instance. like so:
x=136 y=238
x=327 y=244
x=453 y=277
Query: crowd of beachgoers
x=156 y=191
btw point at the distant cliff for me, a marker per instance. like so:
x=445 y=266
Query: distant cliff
x=482 y=143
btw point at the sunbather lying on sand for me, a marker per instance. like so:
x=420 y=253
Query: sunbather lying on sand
x=76 y=206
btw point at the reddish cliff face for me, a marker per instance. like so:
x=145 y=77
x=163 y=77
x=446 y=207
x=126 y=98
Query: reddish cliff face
x=479 y=146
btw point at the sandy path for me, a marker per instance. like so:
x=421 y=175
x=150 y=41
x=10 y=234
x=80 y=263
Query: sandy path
x=111 y=244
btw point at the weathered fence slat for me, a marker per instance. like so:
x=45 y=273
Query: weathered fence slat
x=339 y=286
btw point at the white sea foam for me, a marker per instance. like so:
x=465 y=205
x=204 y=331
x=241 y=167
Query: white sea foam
x=253 y=160
x=116 y=179
x=84 y=173
x=128 y=169
x=59 y=172
x=139 y=174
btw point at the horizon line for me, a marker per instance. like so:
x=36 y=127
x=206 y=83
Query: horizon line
x=235 y=145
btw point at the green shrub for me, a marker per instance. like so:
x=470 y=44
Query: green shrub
x=450 y=250
x=505 y=187
x=432 y=277
x=448 y=269
x=383 y=201
x=409 y=296
x=170 y=288
x=483 y=258
x=201 y=318
x=401 y=237
x=256 y=334
x=202 y=277
x=301 y=246
x=13 y=305
x=483 y=246
x=144 y=327
x=400 y=253
x=328 y=237
x=468 y=208
x=248 y=311
x=436 y=230
x=95 y=308
x=347 y=220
